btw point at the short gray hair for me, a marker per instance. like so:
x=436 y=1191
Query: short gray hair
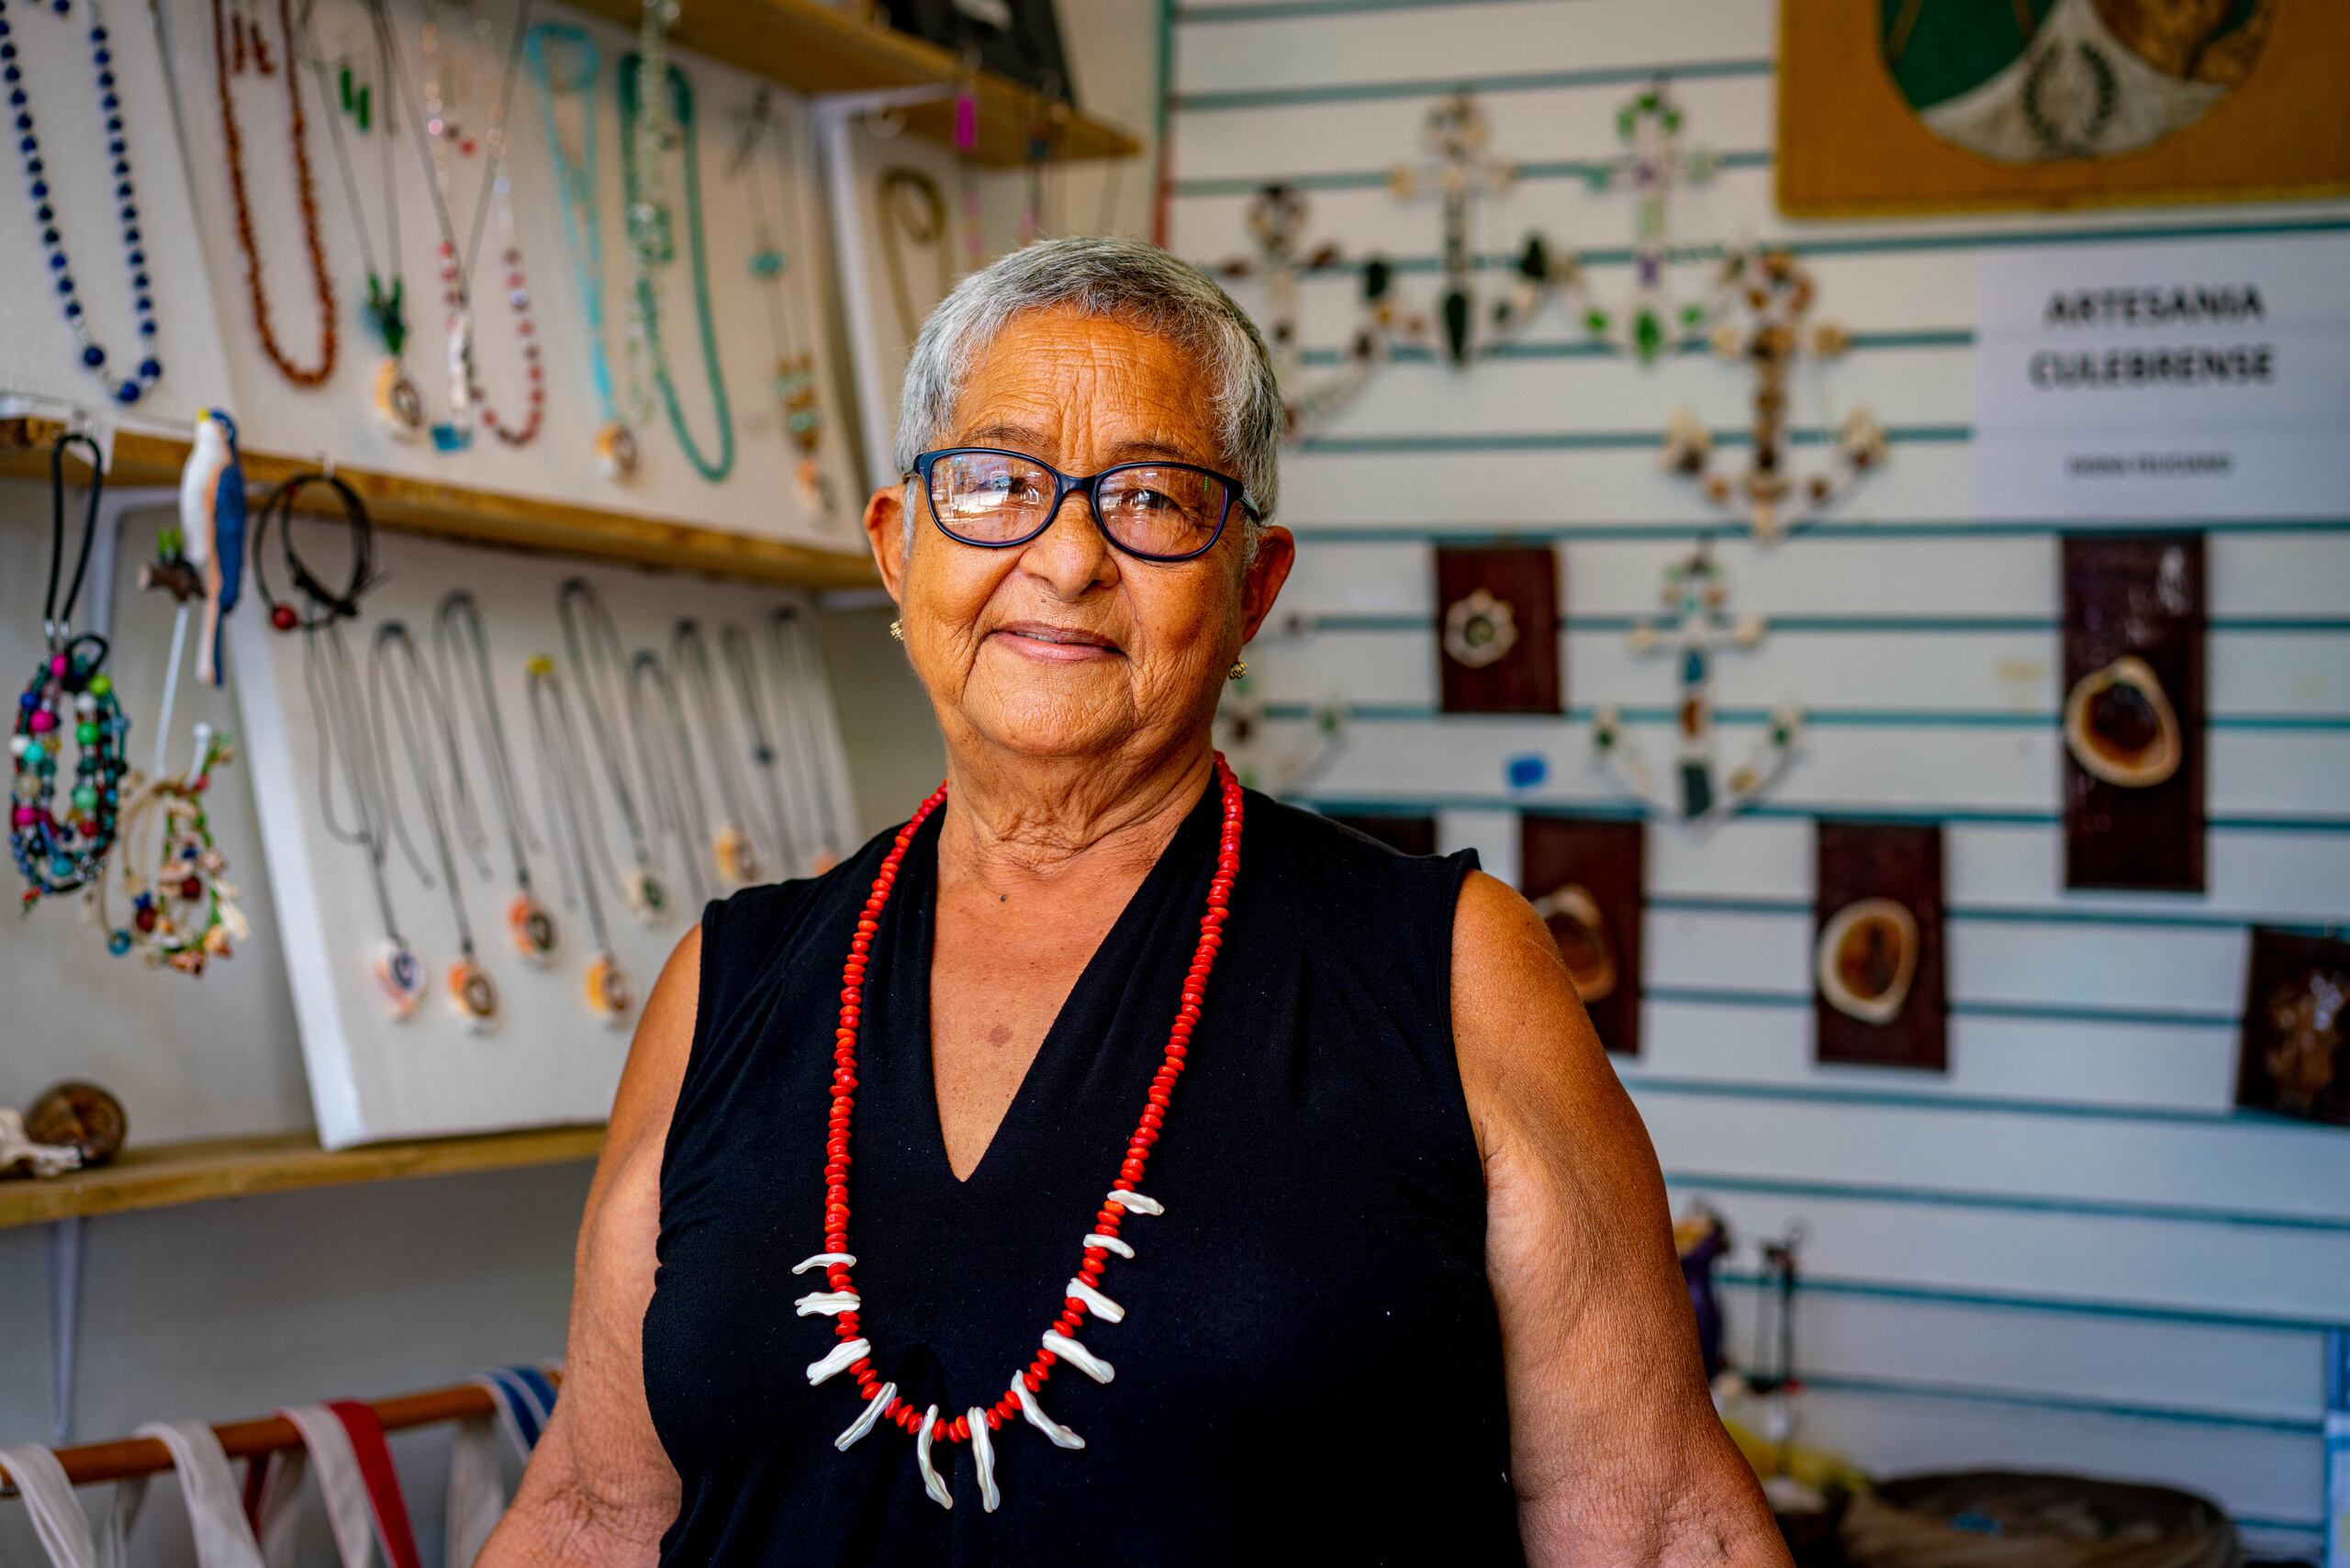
x=1104 y=275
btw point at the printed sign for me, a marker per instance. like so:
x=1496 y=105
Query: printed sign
x=2183 y=380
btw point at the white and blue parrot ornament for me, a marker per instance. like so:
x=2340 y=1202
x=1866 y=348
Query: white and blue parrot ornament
x=212 y=529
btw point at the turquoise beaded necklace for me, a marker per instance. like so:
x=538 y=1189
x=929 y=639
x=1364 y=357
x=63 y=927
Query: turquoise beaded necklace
x=577 y=180
x=652 y=246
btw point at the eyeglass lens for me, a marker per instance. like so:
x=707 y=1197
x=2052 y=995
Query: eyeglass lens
x=989 y=497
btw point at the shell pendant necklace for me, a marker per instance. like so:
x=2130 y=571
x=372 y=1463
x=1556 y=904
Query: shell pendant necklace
x=1084 y=1296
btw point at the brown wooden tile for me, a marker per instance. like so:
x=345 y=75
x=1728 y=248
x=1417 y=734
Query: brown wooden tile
x=1888 y=973
x=2293 y=1049
x=1607 y=860
x=1523 y=582
x=2134 y=609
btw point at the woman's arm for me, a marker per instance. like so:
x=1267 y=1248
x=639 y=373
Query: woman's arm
x=1615 y=1452
x=600 y=1491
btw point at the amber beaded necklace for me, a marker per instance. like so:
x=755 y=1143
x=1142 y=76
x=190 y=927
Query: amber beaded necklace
x=229 y=64
x=1083 y=1295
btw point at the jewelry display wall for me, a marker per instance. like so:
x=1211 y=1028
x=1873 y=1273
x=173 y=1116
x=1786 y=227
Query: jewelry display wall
x=2133 y=716
x=533 y=403
x=550 y=1057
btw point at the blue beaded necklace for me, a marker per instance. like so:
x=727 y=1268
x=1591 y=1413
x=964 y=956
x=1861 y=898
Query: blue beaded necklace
x=124 y=389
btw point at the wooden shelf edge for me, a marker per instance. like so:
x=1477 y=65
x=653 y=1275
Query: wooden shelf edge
x=488 y=517
x=813 y=48
x=168 y=1175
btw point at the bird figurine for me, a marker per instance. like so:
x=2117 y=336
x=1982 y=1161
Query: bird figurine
x=212 y=528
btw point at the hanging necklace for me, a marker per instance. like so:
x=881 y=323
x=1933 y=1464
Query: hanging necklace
x=445 y=140
x=339 y=713
x=750 y=703
x=600 y=666
x=730 y=847
x=671 y=786
x=800 y=676
x=795 y=369
x=1082 y=1296
x=184 y=912
x=58 y=854
x=397 y=681
x=226 y=66
x=913 y=210
x=124 y=389
x=461 y=652
x=571 y=817
x=648 y=131
x=398 y=402
x=578 y=184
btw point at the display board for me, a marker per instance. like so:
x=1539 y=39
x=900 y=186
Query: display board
x=2070 y=1252
x=229 y=241
x=548 y=1058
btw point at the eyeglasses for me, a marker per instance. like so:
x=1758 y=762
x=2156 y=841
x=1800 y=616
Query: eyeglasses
x=992 y=498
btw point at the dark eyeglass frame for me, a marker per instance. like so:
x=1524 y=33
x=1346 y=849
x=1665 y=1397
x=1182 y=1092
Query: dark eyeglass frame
x=1064 y=485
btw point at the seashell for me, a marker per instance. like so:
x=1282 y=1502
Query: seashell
x=474 y=994
x=826 y=1260
x=81 y=1116
x=984 y=1458
x=837 y=1360
x=533 y=927
x=1062 y=1438
x=1077 y=1356
x=1100 y=1305
x=1580 y=932
x=2119 y=727
x=931 y=1482
x=1134 y=1203
x=867 y=1417
x=1479 y=630
x=1867 y=959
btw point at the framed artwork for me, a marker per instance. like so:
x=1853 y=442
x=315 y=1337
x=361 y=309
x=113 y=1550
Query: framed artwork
x=1588 y=880
x=1879 y=998
x=1958 y=105
x=2293 y=1055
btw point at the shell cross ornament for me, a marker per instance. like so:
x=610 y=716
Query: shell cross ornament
x=1696 y=626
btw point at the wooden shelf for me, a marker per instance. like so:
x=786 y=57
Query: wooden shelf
x=170 y=1174
x=484 y=516
x=812 y=47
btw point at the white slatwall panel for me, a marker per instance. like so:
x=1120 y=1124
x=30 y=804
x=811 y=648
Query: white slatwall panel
x=2069 y=1251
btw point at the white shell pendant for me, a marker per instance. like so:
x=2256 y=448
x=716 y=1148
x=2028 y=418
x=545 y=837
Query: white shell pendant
x=826 y=1260
x=826 y=1303
x=1134 y=1203
x=648 y=895
x=1100 y=1305
x=1077 y=1356
x=984 y=1458
x=844 y=1353
x=931 y=1483
x=867 y=1418
x=1062 y=1437
x=1109 y=1244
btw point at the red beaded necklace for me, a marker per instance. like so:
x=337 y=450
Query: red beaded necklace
x=853 y=1354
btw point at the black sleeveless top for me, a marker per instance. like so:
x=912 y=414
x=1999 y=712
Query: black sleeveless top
x=1310 y=1358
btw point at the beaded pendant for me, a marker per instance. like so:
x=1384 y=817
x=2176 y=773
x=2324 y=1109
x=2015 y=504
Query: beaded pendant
x=57 y=851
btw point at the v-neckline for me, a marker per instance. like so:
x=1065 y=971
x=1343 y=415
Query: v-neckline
x=1137 y=908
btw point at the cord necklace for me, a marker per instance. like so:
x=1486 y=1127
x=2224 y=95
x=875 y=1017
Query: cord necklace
x=571 y=819
x=671 y=781
x=398 y=682
x=460 y=652
x=592 y=641
x=731 y=848
x=750 y=703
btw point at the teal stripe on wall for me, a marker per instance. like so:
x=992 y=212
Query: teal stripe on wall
x=1437 y=86
x=1699 y=1182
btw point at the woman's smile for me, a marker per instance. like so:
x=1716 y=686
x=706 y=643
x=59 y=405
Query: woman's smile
x=1043 y=641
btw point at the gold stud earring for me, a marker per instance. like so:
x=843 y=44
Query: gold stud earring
x=1240 y=668
x=897 y=629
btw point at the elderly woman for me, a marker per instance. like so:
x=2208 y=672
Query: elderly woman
x=1112 y=1165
